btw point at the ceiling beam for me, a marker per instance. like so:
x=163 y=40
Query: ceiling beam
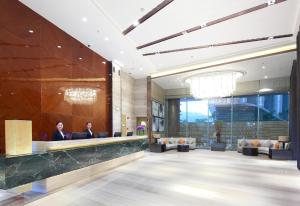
x=239 y=58
x=147 y=16
x=219 y=44
x=210 y=23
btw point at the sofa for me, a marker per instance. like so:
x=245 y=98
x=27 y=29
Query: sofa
x=263 y=145
x=172 y=142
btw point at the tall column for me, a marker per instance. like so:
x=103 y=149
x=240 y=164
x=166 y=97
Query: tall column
x=293 y=109
x=298 y=101
x=149 y=110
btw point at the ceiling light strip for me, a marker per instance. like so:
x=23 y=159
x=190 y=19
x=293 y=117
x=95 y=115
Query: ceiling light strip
x=253 y=55
x=217 y=21
x=220 y=44
x=148 y=15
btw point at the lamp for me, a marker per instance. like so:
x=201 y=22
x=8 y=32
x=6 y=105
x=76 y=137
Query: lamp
x=283 y=138
x=213 y=84
x=80 y=95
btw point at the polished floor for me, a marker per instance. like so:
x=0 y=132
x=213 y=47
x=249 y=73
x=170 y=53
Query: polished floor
x=200 y=177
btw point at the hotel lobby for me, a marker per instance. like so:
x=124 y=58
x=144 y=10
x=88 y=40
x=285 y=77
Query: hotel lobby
x=162 y=102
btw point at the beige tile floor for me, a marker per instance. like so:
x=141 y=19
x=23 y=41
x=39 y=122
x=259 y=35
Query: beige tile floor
x=200 y=177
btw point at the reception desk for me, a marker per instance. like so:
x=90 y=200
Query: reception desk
x=61 y=157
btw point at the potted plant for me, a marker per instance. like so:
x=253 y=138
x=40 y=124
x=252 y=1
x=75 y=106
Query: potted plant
x=218 y=128
x=218 y=146
x=140 y=129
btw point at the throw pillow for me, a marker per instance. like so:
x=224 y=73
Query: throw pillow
x=268 y=144
x=287 y=146
x=277 y=145
x=166 y=141
x=243 y=143
x=255 y=143
x=181 y=141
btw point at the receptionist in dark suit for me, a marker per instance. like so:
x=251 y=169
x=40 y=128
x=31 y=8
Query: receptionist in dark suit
x=59 y=134
x=88 y=130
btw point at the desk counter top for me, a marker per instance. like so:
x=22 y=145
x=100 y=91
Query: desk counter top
x=43 y=146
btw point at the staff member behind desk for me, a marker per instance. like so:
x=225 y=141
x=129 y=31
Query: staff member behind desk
x=59 y=134
x=89 y=132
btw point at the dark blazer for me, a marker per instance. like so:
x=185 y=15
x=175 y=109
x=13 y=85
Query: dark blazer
x=57 y=136
x=88 y=134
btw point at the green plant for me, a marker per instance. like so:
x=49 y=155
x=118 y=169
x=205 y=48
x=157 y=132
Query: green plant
x=218 y=128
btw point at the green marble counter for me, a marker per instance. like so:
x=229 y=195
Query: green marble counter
x=19 y=170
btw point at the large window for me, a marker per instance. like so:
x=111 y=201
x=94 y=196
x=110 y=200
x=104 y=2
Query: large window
x=262 y=116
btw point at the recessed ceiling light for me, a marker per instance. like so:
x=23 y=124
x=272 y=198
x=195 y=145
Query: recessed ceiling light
x=104 y=62
x=59 y=46
x=141 y=69
x=30 y=31
x=84 y=19
x=59 y=93
x=265 y=90
x=263 y=67
x=106 y=38
x=121 y=52
x=266 y=77
x=80 y=58
x=136 y=23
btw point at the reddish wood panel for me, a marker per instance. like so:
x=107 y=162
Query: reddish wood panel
x=37 y=68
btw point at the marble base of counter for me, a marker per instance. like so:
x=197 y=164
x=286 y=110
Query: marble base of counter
x=53 y=183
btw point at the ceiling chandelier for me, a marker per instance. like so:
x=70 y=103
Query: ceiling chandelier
x=214 y=84
x=80 y=95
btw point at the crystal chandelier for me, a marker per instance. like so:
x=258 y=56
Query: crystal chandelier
x=214 y=84
x=80 y=95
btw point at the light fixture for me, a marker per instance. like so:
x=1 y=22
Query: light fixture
x=266 y=77
x=203 y=25
x=80 y=95
x=104 y=62
x=271 y=2
x=30 y=31
x=80 y=58
x=84 y=19
x=121 y=52
x=213 y=84
x=59 y=46
x=265 y=90
x=263 y=66
x=106 y=38
x=141 y=69
x=184 y=32
x=136 y=23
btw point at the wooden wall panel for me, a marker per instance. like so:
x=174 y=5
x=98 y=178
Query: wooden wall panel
x=37 y=67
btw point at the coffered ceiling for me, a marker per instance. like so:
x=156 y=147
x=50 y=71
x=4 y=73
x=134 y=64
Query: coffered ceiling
x=101 y=23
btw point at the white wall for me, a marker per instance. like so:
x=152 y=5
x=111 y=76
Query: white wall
x=116 y=101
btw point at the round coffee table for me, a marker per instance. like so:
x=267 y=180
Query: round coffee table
x=183 y=148
x=250 y=151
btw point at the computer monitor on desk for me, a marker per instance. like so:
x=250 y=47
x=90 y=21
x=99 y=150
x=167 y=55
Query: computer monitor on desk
x=102 y=135
x=79 y=135
x=117 y=134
